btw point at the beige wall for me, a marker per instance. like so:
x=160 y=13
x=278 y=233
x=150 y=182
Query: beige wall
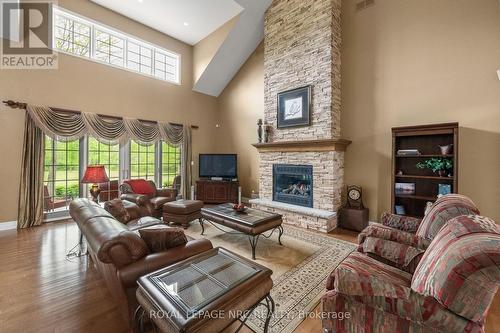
x=205 y=50
x=241 y=104
x=420 y=62
x=403 y=63
x=84 y=85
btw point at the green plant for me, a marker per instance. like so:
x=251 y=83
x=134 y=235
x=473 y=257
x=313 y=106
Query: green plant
x=436 y=164
x=72 y=190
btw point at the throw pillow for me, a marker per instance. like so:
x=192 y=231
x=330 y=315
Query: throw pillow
x=160 y=239
x=141 y=186
x=116 y=208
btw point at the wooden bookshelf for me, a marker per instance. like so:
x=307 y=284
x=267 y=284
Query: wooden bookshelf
x=427 y=139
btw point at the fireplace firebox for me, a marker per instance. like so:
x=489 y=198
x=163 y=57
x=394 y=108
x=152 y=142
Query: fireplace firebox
x=293 y=184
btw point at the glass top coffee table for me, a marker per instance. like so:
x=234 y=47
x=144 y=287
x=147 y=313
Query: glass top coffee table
x=252 y=222
x=201 y=284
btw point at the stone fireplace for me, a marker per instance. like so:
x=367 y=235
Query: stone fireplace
x=302 y=41
x=293 y=184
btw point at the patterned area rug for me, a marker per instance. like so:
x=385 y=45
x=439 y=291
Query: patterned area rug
x=300 y=269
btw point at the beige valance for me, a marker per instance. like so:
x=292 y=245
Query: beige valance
x=65 y=126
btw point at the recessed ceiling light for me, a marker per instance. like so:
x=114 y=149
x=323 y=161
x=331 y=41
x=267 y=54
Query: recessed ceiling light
x=140 y=1
x=186 y=24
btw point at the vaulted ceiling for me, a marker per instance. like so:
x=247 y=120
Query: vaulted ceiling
x=187 y=20
x=192 y=20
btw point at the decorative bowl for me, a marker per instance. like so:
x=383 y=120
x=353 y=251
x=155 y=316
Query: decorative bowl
x=240 y=209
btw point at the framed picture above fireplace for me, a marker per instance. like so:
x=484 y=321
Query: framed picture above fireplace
x=294 y=107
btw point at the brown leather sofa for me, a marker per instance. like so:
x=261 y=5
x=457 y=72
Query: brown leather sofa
x=145 y=192
x=120 y=254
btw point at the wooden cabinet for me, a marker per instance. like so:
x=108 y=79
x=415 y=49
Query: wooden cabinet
x=213 y=191
x=427 y=139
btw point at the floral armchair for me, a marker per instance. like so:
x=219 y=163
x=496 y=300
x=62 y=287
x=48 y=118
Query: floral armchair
x=401 y=241
x=451 y=290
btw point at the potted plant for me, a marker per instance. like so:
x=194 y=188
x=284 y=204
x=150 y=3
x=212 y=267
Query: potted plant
x=437 y=165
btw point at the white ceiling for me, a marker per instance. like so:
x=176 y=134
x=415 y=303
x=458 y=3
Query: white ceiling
x=242 y=40
x=171 y=16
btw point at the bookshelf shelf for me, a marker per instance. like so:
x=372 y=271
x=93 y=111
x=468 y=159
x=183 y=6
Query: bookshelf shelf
x=424 y=155
x=426 y=139
x=424 y=177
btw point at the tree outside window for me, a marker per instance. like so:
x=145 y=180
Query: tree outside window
x=170 y=163
x=142 y=161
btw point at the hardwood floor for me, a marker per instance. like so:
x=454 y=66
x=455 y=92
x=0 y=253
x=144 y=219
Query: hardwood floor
x=41 y=291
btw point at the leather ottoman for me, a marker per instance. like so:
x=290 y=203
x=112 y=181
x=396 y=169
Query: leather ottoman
x=182 y=212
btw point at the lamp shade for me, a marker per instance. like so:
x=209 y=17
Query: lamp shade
x=95 y=174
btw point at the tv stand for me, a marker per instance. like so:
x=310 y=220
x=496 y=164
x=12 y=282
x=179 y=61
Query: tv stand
x=217 y=191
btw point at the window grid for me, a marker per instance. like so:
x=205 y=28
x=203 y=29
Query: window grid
x=142 y=161
x=170 y=163
x=112 y=47
x=61 y=173
x=164 y=68
x=109 y=48
x=105 y=154
x=139 y=58
x=69 y=40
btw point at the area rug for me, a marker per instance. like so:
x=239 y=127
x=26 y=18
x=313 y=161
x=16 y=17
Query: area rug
x=300 y=269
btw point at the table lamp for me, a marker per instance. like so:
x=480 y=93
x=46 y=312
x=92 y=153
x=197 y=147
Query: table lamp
x=95 y=174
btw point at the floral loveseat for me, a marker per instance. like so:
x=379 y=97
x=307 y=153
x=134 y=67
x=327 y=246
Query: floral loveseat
x=451 y=289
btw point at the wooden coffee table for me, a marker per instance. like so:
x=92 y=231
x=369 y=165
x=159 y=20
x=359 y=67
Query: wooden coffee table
x=205 y=293
x=252 y=222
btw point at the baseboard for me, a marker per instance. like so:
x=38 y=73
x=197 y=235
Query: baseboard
x=10 y=225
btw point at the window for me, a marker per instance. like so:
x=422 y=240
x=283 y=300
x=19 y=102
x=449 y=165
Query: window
x=71 y=36
x=107 y=155
x=165 y=66
x=139 y=58
x=170 y=164
x=61 y=174
x=83 y=37
x=142 y=161
x=109 y=48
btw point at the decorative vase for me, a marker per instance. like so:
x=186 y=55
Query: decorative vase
x=445 y=150
x=267 y=132
x=441 y=173
x=259 y=130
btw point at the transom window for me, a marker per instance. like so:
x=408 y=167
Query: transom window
x=71 y=37
x=83 y=37
x=170 y=164
x=139 y=58
x=109 y=48
x=142 y=161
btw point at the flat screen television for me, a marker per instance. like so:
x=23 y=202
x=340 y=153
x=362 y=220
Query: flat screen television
x=218 y=165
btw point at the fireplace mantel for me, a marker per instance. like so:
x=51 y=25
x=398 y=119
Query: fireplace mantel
x=301 y=146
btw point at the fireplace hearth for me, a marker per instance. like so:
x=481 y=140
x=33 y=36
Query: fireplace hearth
x=293 y=184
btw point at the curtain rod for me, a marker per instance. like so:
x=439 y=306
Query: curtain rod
x=21 y=105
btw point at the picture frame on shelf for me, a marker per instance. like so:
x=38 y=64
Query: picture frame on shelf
x=400 y=209
x=404 y=188
x=294 y=107
x=444 y=189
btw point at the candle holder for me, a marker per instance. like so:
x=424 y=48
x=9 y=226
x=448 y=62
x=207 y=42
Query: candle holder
x=193 y=197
